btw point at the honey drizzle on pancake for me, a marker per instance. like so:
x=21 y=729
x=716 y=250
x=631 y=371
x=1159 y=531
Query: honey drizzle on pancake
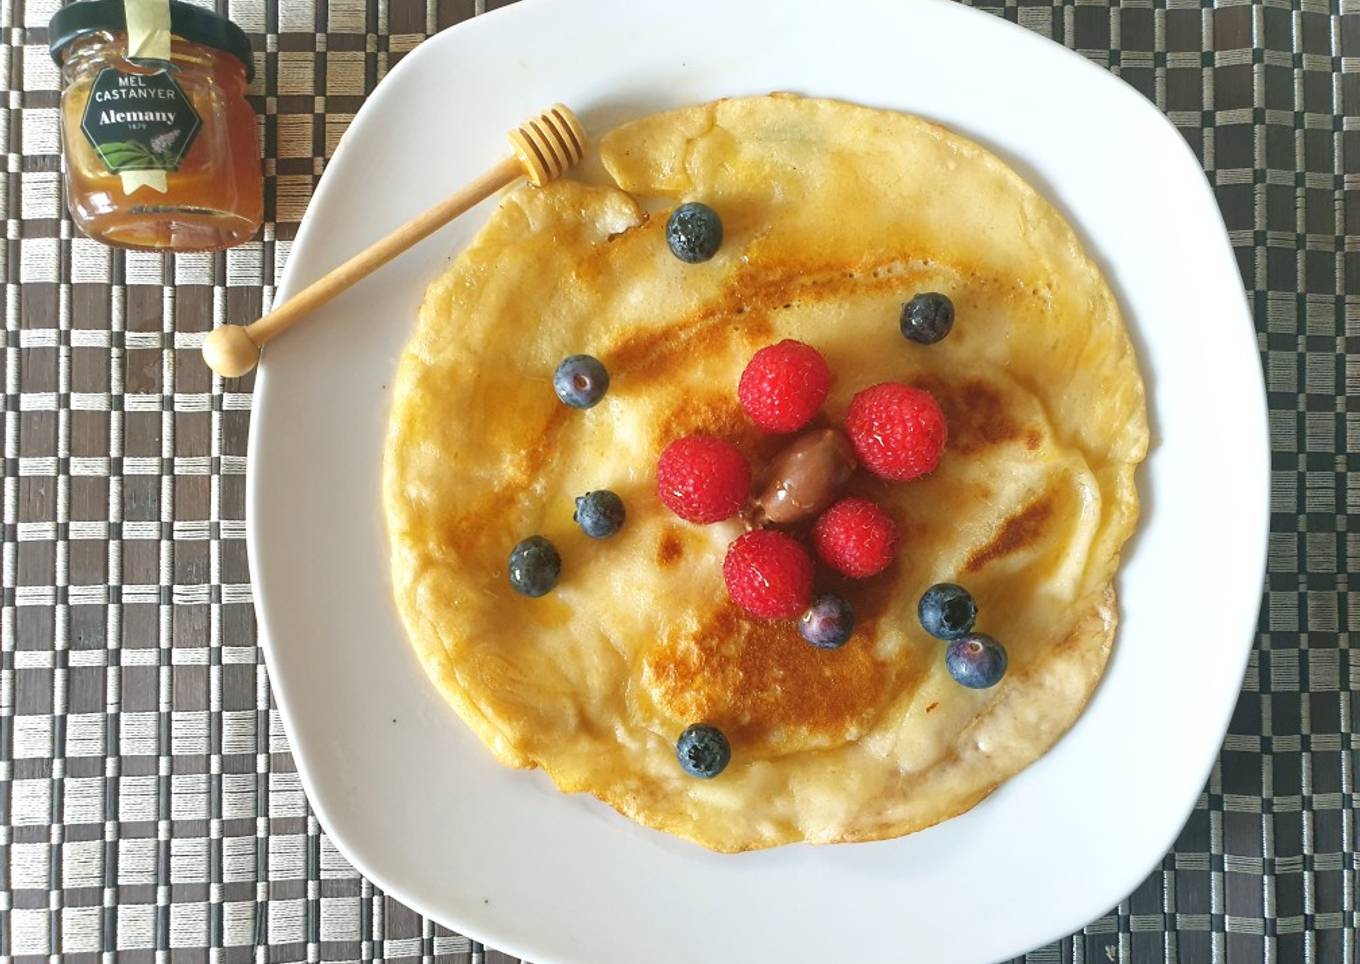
x=764 y=284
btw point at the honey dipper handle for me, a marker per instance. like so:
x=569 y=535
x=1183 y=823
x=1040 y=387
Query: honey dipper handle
x=232 y=351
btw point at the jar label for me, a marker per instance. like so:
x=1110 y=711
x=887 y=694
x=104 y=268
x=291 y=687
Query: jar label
x=139 y=122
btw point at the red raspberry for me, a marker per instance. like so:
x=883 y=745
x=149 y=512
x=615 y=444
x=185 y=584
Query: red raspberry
x=703 y=479
x=768 y=574
x=784 y=385
x=855 y=537
x=898 y=431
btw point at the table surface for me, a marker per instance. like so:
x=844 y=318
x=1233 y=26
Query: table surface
x=149 y=807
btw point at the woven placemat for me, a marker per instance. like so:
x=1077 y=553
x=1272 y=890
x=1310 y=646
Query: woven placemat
x=149 y=808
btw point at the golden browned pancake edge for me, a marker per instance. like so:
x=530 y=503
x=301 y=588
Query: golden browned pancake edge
x=834 y=214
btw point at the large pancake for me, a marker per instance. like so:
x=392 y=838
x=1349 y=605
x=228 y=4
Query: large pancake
x=834 y=215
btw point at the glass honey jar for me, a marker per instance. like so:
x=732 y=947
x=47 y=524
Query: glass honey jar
x=160 y=142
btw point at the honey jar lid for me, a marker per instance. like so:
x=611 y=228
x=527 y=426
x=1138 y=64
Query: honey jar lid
x=192 y=23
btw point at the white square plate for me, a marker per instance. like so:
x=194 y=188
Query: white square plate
x=409 y=794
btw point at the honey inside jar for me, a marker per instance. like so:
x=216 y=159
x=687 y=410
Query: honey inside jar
x=159 y=155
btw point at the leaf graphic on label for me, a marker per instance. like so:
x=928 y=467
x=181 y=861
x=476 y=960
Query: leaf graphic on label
x=120 y=154
x=132 y=155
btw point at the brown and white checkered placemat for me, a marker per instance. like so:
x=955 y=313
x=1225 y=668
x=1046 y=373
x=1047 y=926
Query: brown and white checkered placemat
x=149 y=808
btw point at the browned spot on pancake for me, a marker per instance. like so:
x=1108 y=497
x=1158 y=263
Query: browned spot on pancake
x=752 y=677
x=1033 y=440
x=1016 y=532
x=649 y=355
x=670 y=548
x=652 y=354
x=976 y=414
x=931 y=707
x=720 y=415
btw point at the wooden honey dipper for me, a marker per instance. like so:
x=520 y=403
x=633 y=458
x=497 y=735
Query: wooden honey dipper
x=544 y=147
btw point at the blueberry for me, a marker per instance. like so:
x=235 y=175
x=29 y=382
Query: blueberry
x=694 y=232
x=580 y=381
x=947 y=611
x=976 y=661
x=703 y=751
x=828 y=623
x=927 y=317
x=599 y=514
x=534 y=566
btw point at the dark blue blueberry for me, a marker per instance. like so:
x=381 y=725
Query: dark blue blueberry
x=947 y=611
x=534 y=566
x=703 y=751
x=599 y=514
x=694 y=232
x=580 y=381
x=828 y=623
x=976 y=661
x=927 y=317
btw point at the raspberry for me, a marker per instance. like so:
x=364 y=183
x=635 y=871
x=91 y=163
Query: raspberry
x=855 y=537
x=898 y=431
x=784 y=385
x=703 y=479
x=768 y=574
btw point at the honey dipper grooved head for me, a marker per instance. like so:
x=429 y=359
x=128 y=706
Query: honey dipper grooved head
x=550 y=144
